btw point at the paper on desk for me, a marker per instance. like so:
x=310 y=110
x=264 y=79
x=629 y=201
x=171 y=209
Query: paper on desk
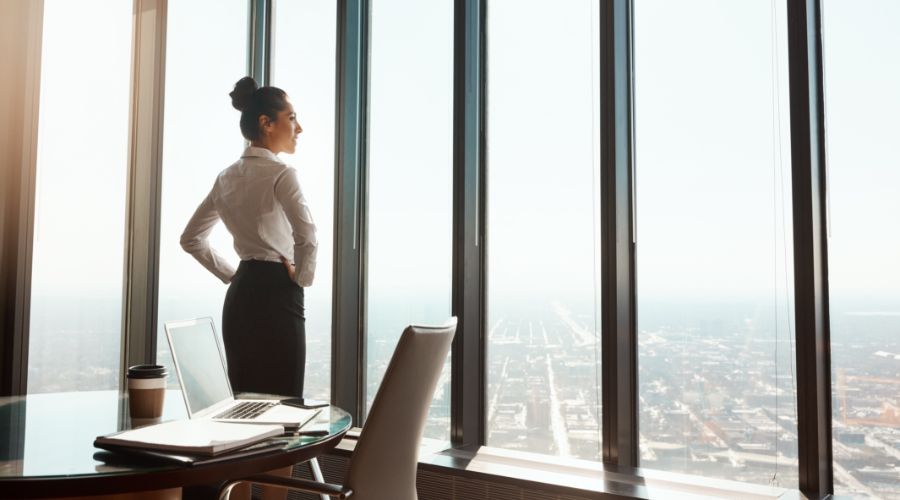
x=202 y=437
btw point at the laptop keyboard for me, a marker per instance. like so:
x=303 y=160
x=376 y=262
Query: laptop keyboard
x=247 y=410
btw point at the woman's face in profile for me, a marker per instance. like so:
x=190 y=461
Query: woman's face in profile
x=282 y=133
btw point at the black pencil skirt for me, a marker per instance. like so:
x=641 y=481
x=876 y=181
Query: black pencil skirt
x=264 y=330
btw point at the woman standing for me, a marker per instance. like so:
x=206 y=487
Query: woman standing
x=260 y=201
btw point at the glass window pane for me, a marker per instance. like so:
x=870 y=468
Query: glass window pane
x=304 y=67
x=201 y=138
x=543 y=229
x=82 y=165
x=862 y=75
x=410 y=183
x=714 y=240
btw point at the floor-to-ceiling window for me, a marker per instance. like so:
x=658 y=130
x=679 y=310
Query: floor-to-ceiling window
x=410 y=181
x=79 y=211
x=543 y=324
x=714 y=252
x=713 y=218
x=862 y=78
x=303 y=65
x=201 y=137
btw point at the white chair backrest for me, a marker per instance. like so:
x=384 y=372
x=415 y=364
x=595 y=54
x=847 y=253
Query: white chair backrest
x=383 y=465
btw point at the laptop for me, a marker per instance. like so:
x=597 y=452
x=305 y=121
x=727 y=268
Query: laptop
x=200 y=365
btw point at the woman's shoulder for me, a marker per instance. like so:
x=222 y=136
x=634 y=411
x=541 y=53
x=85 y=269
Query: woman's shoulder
x=255 y=166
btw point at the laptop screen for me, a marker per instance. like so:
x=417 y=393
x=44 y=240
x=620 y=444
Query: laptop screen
x=199 y=363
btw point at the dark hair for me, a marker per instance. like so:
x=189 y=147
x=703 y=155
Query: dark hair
x=253 y=101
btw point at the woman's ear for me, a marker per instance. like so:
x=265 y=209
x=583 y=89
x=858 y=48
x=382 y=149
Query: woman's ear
x=264 y=122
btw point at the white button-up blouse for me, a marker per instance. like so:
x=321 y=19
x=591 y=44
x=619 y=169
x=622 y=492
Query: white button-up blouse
x=260 y=201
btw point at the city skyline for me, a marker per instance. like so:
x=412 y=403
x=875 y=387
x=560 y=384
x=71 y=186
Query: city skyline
x=550 y=404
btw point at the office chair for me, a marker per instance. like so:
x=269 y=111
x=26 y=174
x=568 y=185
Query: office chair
x=383 y=464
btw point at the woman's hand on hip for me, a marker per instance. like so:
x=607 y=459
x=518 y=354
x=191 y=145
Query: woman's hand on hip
x=290 y=268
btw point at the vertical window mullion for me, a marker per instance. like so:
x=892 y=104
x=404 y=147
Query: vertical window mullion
x=468 y=358
x=22 y=31
x=144 y=183
x=810 y=247
x=348 y=342
x=618 y=338
x=259 y=55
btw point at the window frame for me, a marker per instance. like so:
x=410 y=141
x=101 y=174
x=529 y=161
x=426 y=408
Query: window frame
x=810 y=213
x=348 y=349
x=22 y=24
x=468 y=379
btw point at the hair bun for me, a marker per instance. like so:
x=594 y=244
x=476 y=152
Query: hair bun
x=243 y=93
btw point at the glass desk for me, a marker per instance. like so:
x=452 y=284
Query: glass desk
x=47 y=450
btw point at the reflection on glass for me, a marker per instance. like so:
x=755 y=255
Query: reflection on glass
x=82 y=164
x=714 y=253
x=862 y=75
x=543 y=391
x=201 y=138
x=410 y=183
x=304 y=67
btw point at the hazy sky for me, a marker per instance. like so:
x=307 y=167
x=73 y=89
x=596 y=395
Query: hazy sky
x=712 y=149
x=410 y=156
x=82 y=148
x=542 y=148
x=712 y=143
x=862 y=91
x=708 y=165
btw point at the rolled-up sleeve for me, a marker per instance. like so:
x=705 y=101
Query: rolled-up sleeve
x=195 y=240
x=289 y=195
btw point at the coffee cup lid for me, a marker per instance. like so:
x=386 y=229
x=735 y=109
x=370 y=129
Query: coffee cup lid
x=147 y=371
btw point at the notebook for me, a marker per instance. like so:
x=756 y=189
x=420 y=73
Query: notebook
x=113 y=456
x=200 y=366
x=192 y=437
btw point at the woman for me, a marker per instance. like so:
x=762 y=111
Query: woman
x=260 y=201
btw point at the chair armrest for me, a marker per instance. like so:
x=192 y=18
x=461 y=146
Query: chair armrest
x=332 y=490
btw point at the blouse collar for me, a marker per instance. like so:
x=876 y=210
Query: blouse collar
x=252 y=151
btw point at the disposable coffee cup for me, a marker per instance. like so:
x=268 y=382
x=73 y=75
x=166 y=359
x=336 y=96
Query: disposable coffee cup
x=146 y=391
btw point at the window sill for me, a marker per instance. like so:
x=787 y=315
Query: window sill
x=580 y=478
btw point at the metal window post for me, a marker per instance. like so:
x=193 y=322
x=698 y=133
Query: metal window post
x=619 y=335
x=348 y=348
x=468 y=378
x=21 y=28
x=810 y=247
x=141 y=283
x=259 y=53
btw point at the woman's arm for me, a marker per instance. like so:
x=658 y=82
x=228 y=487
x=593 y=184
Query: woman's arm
x=195 y=240
x=303 y=230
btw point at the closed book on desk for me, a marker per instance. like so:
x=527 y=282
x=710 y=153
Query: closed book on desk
x=193 y=437
x=120 y=455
